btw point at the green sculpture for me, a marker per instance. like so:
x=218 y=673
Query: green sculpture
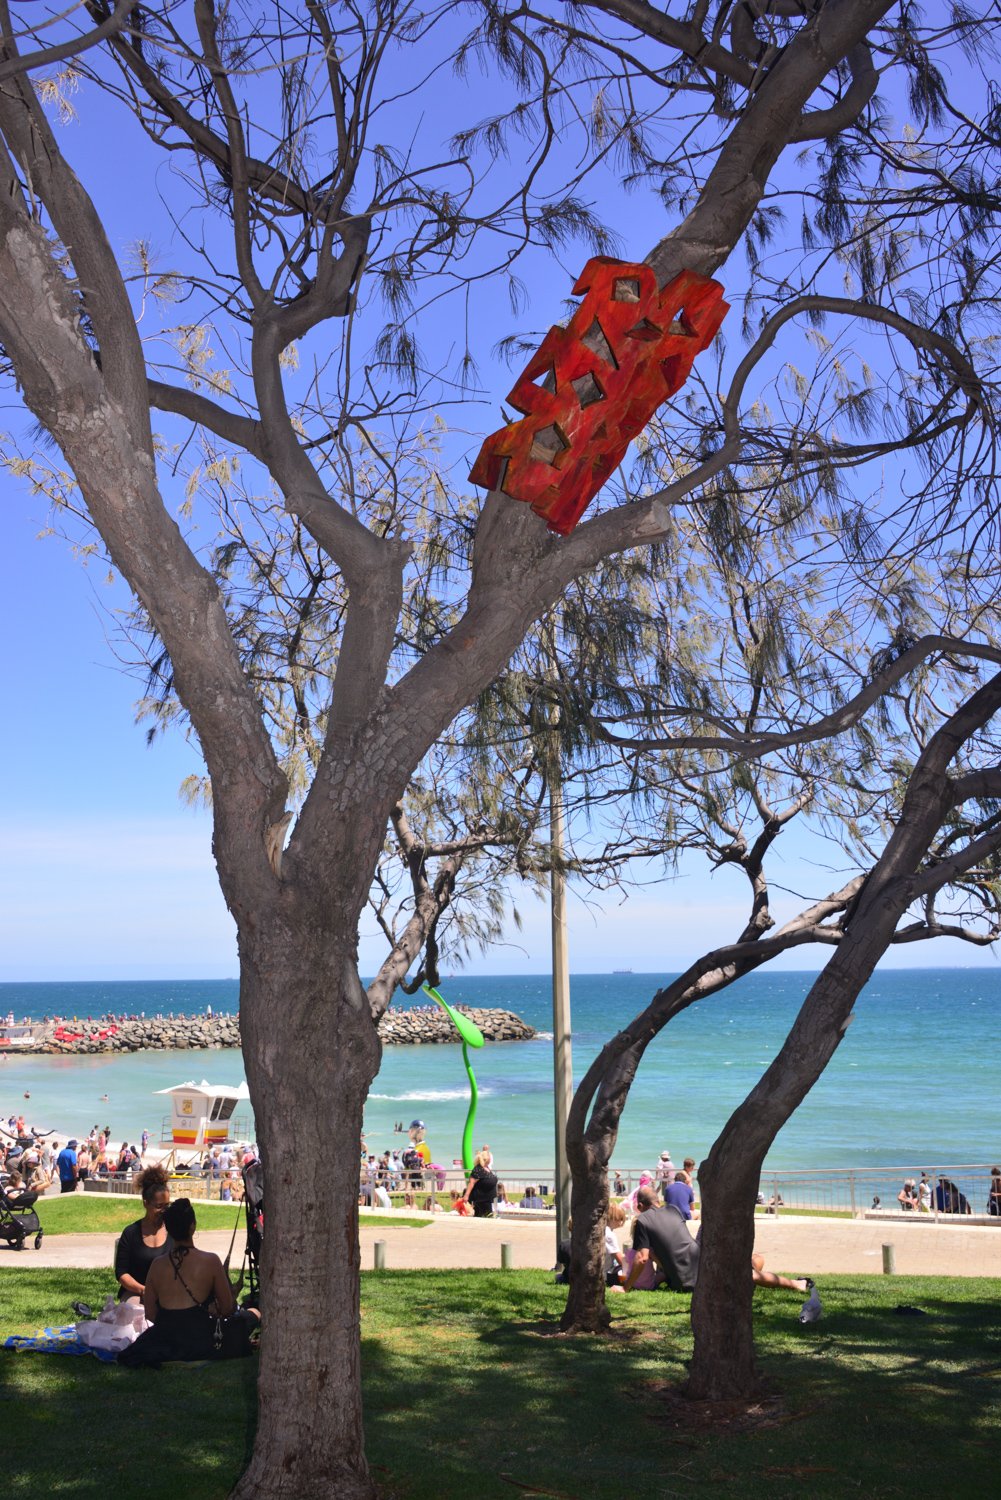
x=471 y=1036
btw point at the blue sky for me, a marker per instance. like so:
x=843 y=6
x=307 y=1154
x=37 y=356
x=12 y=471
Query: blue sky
x=106 y=873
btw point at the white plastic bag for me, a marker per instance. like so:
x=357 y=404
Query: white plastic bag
x=116 y=1326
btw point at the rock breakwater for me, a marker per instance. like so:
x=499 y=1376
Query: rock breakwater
x=204 y=1033
x=416 y=1028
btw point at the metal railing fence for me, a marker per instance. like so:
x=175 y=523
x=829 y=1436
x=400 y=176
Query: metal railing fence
x=959 y=1193
x=858 y=1192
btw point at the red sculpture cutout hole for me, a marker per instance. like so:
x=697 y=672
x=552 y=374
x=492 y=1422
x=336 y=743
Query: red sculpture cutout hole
x=595 y=340
x=549 y=445
x=588 y=390
x=626 y=290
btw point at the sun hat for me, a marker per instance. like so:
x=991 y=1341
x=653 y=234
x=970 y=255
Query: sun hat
x=665 y=1156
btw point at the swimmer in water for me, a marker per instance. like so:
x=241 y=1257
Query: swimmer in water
x=104 y=1097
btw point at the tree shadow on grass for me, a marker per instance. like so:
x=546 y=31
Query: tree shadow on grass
x=501 y=1407
x=87 y=1431
x=80 y=1429
x=468 y=1390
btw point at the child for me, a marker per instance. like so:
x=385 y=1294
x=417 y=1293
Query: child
x=614 y=1258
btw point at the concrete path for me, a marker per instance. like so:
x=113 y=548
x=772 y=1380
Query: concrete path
x=804 y=1247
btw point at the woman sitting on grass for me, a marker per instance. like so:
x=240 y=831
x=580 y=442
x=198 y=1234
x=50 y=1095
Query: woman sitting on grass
x=146 y=1240
x=187 y=1292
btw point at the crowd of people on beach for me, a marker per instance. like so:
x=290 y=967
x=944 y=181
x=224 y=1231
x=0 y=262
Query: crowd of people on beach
x=38 y=1160
x=109 y=1018
x=33 y=1161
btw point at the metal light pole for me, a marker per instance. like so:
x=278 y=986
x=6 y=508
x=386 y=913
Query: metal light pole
x=562 y=1061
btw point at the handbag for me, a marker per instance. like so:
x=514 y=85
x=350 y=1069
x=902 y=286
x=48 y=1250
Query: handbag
x=231 y=1336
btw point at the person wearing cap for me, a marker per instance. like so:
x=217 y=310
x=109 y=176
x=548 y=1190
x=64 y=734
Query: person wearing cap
x=665 y=1169
x=67 y=1168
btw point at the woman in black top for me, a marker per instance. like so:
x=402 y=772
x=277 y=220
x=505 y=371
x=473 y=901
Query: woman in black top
x=481 y=1189
x=146 y=1240
x=186 y=1295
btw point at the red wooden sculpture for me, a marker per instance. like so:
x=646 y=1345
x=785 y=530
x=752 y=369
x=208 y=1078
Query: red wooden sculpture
x=592 y=386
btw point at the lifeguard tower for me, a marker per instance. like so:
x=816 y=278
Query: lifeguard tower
x=201 y=1114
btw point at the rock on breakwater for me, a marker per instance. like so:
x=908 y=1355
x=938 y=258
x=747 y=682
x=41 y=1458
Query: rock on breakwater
x=416 y=1028
x=184 y=1033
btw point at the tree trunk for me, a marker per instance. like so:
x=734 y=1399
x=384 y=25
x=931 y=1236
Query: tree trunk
x=586 y=1311
x=723 y=1366
x=311 y=1050
x=602 y=1094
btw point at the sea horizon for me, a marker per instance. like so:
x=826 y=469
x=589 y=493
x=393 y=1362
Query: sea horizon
x=668 y=974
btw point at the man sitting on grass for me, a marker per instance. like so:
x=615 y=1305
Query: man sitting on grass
x=662 y=1235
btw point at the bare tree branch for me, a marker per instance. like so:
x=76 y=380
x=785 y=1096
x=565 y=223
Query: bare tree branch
x=243 y=432
x=108 y=28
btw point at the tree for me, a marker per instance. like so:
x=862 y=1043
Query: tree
x=323 y=220
x=910 y=870
x=948 y=878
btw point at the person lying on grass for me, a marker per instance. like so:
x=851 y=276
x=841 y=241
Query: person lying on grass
x=661 y=1234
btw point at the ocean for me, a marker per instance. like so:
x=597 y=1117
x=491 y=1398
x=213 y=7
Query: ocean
x=914 y=1082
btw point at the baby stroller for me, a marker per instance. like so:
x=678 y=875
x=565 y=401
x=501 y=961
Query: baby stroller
x=253 y=1204
x=18 y=1219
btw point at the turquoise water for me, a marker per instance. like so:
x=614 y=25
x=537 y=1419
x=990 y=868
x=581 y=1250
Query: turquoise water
x=915 y=1078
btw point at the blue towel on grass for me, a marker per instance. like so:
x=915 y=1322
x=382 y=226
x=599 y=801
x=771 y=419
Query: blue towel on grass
x=64 y=1340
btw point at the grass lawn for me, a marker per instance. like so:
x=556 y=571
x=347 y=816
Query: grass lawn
x=86 y=1213
x=468 y=1391
x=808 y=1213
